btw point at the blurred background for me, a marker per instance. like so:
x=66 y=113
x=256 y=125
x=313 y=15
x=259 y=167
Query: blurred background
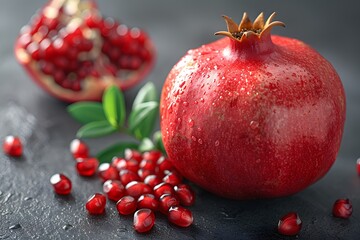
x=330 y=27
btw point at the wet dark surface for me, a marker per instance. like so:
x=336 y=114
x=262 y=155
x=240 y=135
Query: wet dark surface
x=30 y=209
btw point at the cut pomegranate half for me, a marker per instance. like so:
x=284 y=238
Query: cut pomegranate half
x=74 y=53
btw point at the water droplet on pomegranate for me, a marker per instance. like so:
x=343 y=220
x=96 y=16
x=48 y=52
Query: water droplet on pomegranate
x=199 y=129
x=254 y=124
x=179 y=120
x=191 y=123
x=217 y=143
x=202 y=100
x=196 y=102
x=193 y=138
x=200 y=141
x=186 y=104
x=223 y=78
x=215 y=67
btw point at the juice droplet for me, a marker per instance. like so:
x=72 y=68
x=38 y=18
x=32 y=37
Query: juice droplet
x=217 y=143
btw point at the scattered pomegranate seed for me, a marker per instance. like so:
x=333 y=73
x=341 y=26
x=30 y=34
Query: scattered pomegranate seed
x=133 y=154
x=108 y=172
x=144 y=220
x=164 y=165
x=153 y=155
x=12 y=146
x=172 y=178
x=61 y=184
x=86 y=166
x=96 y=204
x=180 y=216
x=148 y=201
x=290 y=224
x=79 y=149
x=126 y=205
x=127 y=176
x=136 y=189
x=185 y=194
x=167 y=201
x=143 y=173
x=148 y=165
x=152 y=180
x=358 y=166
x=163 y=188
x=122 y=163
x=113 y=189
x=342 y=208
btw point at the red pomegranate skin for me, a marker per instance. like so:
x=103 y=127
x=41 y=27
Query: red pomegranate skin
x=250 y=120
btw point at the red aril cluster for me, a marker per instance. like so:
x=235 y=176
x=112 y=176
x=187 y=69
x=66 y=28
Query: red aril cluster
x=12 y=146
x=74 y=53
x=146 y=182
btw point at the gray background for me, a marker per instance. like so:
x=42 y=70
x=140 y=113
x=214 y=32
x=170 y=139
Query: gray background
x=26 y=197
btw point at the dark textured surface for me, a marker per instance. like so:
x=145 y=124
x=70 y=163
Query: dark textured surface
x=28 y=207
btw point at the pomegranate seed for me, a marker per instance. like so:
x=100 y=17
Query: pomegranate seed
x=172 y=178
x=33 y=50
x=126 y=205
x=86 y=166
x=164 y=164
x=358 y=165
x=121 y=163
x=148 y=201
x=143 y=173
x=113 y=189
x=167 y=201
x=163 y=188
x=96 y=204
x=61 y=184
x=136 y=189
x=147 y=165
x=153 y=155
x=12 y=146
x=79 y=149
x=93 y=21
x=152 y=180
x=290 y=224
x=342 y=208
x=127 y=176
x=107 y=172
x=144 y=220
x=132 y=154
x=180 y=216
x=185 y=194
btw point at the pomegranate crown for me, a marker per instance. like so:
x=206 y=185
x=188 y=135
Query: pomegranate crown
x=246 y=28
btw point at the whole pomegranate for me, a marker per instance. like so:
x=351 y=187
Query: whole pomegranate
x=74 y=53
x=253 y=115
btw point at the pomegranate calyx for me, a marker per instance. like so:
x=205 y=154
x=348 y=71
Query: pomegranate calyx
x=247 y=29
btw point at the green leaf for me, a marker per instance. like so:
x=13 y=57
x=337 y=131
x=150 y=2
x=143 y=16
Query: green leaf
x=95 y=129
x=157 y=139
x=114 y=106
x=106 y=155
x=146 y=94
x=142 y=119
x=146 y=145
x=86 y=112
